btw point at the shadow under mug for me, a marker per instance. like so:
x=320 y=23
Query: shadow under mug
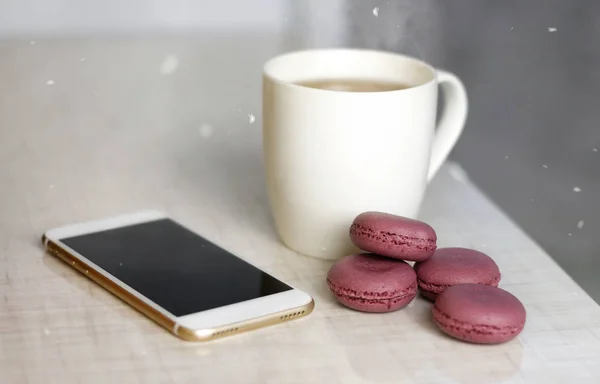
x=330 y=155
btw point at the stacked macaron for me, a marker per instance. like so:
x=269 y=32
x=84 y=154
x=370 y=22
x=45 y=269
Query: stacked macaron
x=462 y=282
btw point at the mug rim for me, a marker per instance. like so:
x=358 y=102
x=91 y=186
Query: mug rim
x=267 y=68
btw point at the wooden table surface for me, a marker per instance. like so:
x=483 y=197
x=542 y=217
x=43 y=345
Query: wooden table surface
x=116 y=132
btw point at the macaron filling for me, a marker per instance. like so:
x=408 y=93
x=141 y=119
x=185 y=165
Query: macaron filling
x=392 y=238
x=431 y=290
x=446 y=322
x=389 y=300
x=393 y=295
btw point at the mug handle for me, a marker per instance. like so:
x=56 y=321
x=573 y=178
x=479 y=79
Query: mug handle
x=451 y=122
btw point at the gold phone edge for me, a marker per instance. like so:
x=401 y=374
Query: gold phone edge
x=166 y=322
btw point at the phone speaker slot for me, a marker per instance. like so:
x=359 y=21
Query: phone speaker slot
x=291 y=315
x=224 y=332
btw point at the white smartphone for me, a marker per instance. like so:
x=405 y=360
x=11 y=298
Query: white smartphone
x=182 y=281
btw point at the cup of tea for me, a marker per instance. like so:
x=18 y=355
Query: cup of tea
x=347 y=131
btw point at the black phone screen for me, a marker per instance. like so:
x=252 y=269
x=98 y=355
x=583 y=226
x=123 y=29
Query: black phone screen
x=174 y=267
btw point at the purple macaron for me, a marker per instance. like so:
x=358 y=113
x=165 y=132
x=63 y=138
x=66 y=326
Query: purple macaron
x=479 y=313
x=393 y=236
x=451 y=266
x=372 y=283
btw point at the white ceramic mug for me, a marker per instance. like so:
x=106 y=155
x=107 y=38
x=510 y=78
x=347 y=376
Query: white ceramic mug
x=330 y=155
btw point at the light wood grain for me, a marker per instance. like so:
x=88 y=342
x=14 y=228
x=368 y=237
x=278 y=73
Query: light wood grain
x=113 y=135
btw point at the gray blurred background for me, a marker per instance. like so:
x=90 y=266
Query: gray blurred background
x=532 y=70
